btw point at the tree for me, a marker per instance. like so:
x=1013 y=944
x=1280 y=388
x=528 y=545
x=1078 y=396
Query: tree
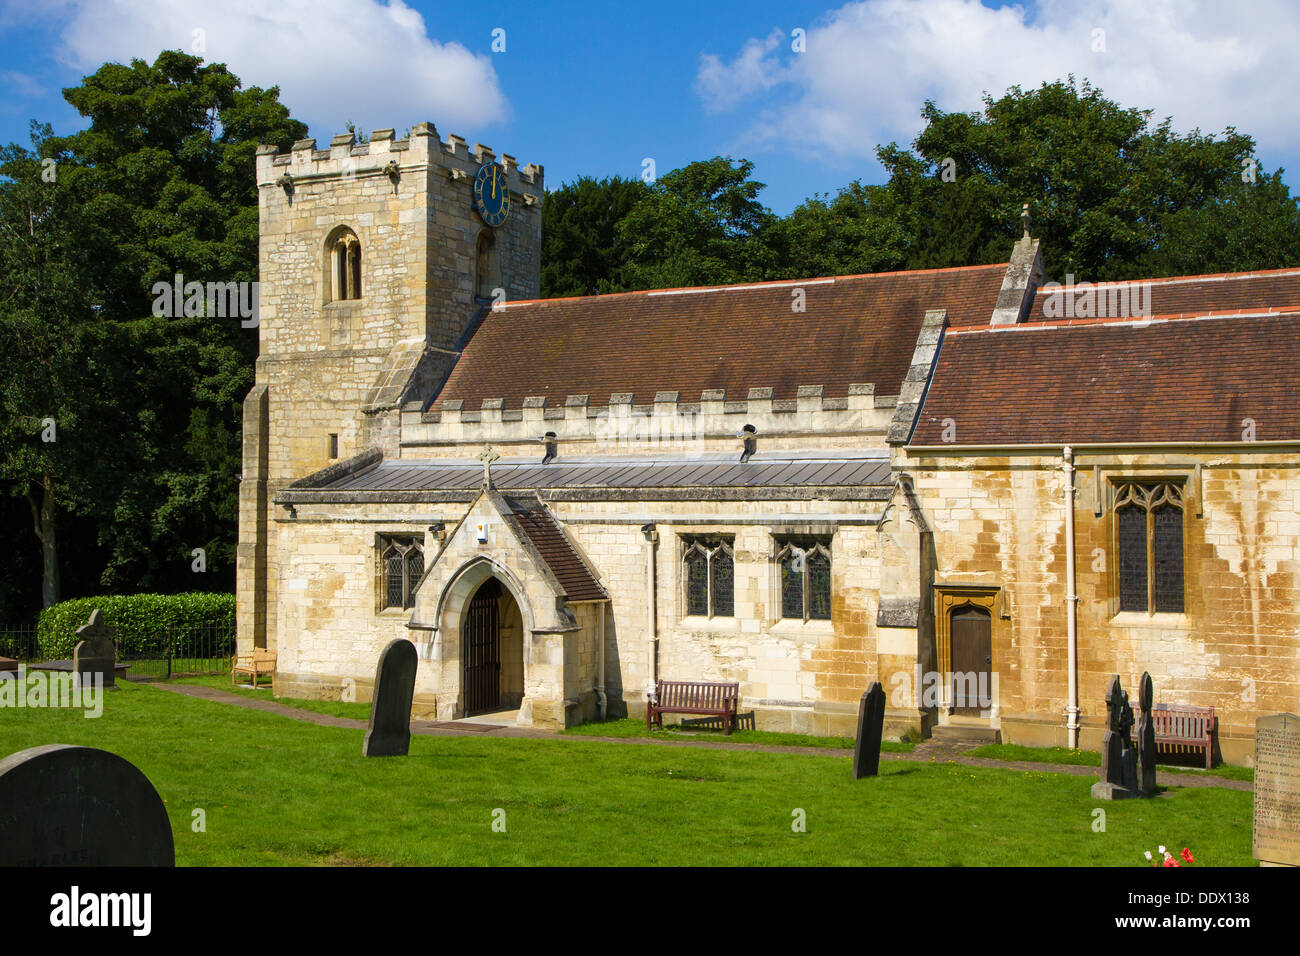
x=699 y=225
x=1100 y=181
x=147 y=406
x=854 y=232
x=581 y=252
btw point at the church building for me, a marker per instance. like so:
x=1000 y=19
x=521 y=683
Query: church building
x=988 y=491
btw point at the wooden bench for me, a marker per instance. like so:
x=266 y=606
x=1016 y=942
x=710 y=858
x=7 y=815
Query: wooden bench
x=1177 y=725
x=692 y=697
x=255 y=663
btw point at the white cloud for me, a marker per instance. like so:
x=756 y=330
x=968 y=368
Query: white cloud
x=722 y=86
x=869 y=66
x=334 y=60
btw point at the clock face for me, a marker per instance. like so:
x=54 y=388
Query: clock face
x=491 y=196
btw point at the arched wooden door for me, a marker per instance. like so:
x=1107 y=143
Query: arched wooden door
x=972 y=660
x=481 y=650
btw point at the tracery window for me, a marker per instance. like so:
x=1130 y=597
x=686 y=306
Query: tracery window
x=709 y=567
x=401 y=563
x=804 y=568
x=1149 y=541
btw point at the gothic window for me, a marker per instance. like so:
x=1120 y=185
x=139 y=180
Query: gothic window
x=709 y=573
x=401 y=563
x=1149 y=539
x=343 y=265
x=804 y=572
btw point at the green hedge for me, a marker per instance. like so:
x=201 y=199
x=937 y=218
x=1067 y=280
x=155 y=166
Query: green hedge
x=146 y=624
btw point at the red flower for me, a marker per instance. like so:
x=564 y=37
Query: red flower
x=1187 y=855
x=1170 y=861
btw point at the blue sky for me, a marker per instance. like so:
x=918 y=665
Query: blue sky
x=596 y=89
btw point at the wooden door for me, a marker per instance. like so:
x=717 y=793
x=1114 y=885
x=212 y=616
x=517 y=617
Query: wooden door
x=972 y=660
x=481 y=650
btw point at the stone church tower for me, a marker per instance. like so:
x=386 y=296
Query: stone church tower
x=374 y=270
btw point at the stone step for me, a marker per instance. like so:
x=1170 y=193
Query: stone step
x=960 y=733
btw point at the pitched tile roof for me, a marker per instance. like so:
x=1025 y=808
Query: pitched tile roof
x=557 y=551
x=1192 y=380
x=855 y=329
x=1276 y=290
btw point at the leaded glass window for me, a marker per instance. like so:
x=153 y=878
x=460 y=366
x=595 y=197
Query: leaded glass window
x=401 y=563
x=1149 y=535
x=710 y=577
x=804 y=568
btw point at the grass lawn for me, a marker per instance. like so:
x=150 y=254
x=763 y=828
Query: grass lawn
x=628 y=727
x=278 y=791
x=1091 y=758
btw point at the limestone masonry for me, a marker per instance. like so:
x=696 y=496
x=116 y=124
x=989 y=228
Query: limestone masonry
x=919 y=478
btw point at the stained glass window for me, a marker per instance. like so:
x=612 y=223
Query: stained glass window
x=1167 y=546
x=1132 y=558
x=1149 y=535
x=805 y=578
x=792 y=584
x=697 y=582
x=819 y=585
x=402 y=565
x=710 y=577
x=722 y=568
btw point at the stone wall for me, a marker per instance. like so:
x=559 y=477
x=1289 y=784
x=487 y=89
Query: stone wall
x=1000 y=521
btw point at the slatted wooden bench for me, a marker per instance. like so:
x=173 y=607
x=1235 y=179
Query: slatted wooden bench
x=255 y=663
x=693 y=697
x=1177 y=725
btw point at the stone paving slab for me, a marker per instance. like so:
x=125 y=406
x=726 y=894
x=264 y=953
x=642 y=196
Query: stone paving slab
x=925 y=753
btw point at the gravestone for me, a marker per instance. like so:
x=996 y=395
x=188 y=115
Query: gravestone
x=871 y=726
x=1276 y=840
x=1119 y=774
x=96 y=651
x=79 y=806
x=1146 y=741
x=389 y=733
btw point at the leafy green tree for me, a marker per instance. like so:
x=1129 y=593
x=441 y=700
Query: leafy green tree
x=854 y=232
x=1100 y=180
x=699 y=225
x=581 y=251
x=147 y=406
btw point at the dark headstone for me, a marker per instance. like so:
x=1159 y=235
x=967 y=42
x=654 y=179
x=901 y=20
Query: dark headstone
x=78 y=806
x=1146 y=742
x=389 y=734
x=1119 y=772
x=871 y=726
x=96 y=652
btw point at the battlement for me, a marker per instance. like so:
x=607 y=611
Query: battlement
x=384 y=155
x=667 y=422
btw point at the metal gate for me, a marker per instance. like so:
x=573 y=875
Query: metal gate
x=481 y=650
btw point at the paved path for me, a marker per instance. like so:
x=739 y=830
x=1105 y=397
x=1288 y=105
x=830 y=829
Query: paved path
x=930 y=751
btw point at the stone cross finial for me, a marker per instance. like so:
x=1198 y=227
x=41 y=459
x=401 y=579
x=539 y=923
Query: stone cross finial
x=1024 y=218
x=487 y=456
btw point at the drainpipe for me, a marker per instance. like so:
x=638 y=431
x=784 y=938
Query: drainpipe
x=651 y=536
x=1071 y=604
x=600 y=687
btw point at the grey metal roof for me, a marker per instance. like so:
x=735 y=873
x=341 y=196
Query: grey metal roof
x=830 y=469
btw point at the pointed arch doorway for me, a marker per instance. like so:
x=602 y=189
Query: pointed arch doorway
x=492 y=673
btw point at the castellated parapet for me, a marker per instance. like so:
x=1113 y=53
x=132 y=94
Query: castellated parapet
x=612 y=424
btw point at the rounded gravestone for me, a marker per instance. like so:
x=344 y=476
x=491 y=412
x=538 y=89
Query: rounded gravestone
x=78 y=806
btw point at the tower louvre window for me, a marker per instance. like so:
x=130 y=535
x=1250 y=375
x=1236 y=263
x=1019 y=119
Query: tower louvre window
x=344 y=264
